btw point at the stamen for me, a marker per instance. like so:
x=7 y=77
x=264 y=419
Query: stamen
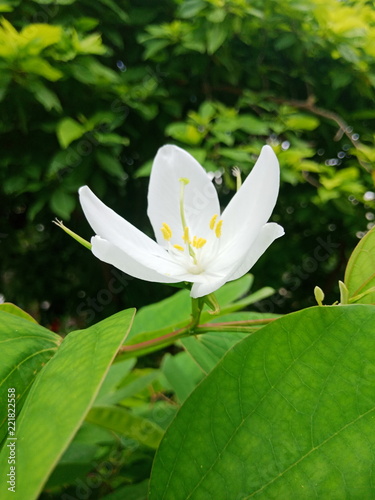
x=198 y=242
x=185 y=236
x=184 y=181
x=218 y=229
x=178 y=247
x=213 y=221
x=236 y=172
x=166 y=231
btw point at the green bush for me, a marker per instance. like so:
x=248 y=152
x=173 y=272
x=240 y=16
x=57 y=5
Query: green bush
x=89 y=91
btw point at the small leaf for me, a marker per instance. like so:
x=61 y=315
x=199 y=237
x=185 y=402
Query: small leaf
x=110 y=164
x=301 y=121
x=62 y=203
x=68 y=130
x=360 y=271
x=184 y=132
x=216 y=36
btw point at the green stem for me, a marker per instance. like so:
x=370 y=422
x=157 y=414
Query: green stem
x=228 y=328
x=171 y=337
x=162 y=341
x=192 y=328
x=196 y=311
x=248 y=322
x=234 y=326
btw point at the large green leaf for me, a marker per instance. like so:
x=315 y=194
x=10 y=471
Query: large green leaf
x=25 y=347
x=288 y=413
x=360 y=271
x=59 y=401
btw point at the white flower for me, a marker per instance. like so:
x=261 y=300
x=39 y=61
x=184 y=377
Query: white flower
x=194 y=242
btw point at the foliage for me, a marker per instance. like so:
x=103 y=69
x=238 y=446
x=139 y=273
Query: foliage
x=246 y=402
x=89 y=91
x=268 y=406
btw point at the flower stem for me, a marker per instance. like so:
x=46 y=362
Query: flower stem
x=162 y=341
x=192 y=328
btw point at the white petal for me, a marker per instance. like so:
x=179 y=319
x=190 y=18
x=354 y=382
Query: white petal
x=108 y=252
x=151 y=269
x=201 y=201
x=268 y=234
x=211 y=285
x=111 y=227
x=249 y=209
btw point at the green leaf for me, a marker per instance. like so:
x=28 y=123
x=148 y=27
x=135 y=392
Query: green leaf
x=144 y=170
x=209 y=348
x=62 y=203
x=39 y=66
x=38 y=36
x=68 y=130
x=110 y=164
x=126 y=423
x=181 y=373
x=132 y=492
x=288 y=413
x=360 y=271
x=59 y=400
x=301 y=121
x=45 y=96
x=252 y=125
x=190 y=8
x=184 y=132
x=25 y=347
x=216 y=36
x=116 y=374
x=132 y=385
x=17 y=311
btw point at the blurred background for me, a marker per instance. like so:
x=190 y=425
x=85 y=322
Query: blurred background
x=90 y=90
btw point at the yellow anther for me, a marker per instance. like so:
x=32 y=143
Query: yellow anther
x=185 y=236
x=166 y=231
x=198 y=242
x=213 y=221
x=179 y=247
x=218 y=229
x=184 y=180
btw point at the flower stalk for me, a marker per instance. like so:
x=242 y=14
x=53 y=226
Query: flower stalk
x=193 y=328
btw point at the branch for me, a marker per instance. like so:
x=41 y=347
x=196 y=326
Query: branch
x=344 y=128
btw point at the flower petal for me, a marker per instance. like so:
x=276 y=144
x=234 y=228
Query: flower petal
x=249 y=209
x=108 y=252
x=153 y=269
x=268 y=234
x=200 y=200
x=112 y=227
x=211 y=285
